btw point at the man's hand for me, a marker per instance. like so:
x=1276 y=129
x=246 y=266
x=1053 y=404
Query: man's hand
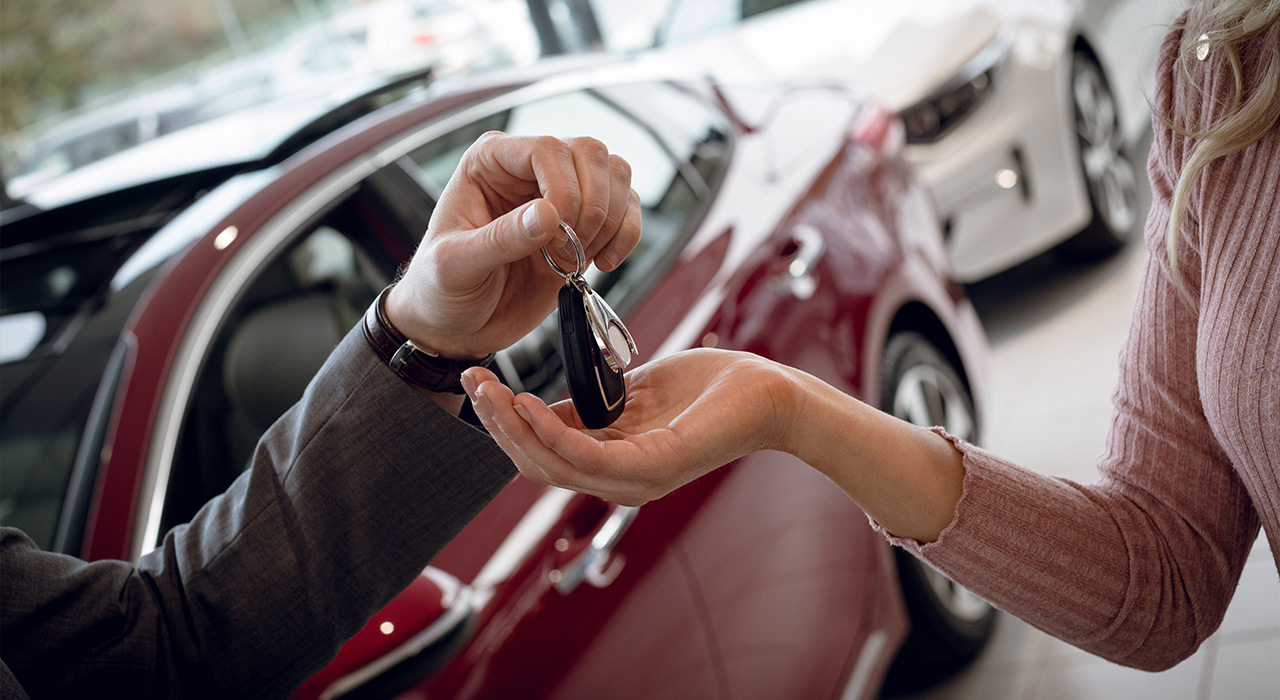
x=478 y=282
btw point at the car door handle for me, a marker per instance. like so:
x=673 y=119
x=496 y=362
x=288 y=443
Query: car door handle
x=596 y=564
x=805 y=249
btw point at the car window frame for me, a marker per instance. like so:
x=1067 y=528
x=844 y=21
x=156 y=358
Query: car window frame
x=206 y=322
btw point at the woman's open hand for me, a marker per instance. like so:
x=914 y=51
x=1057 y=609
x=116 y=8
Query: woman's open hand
x=686 y=414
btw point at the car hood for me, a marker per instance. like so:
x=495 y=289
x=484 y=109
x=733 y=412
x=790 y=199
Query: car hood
x=898 y=51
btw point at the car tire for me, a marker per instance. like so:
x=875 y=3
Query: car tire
x=949 y=625
x=1106 y=164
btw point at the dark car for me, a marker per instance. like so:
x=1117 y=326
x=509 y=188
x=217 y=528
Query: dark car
x=168 y=324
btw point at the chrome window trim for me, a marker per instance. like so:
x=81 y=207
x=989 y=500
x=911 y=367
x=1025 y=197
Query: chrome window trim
x=200 y=335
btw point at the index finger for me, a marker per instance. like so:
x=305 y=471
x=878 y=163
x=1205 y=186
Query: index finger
x=588 y=186
x=542 y=161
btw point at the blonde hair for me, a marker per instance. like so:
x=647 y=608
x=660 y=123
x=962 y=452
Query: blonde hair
x=1221 y=27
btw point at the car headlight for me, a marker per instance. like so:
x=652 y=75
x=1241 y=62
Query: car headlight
x=929 y=119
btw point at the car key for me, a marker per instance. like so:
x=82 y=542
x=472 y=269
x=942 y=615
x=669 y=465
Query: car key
x=594 y=342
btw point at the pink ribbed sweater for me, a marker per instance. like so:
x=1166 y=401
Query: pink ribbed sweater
x=1140 y=566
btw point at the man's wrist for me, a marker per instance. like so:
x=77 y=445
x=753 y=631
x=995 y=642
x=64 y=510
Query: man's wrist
x=398 y=309
x=421 y=366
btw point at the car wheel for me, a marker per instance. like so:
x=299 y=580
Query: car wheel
x=1108 y=169
x=949 y=624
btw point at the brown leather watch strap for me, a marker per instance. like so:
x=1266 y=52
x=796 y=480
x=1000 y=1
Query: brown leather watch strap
x=416 y=365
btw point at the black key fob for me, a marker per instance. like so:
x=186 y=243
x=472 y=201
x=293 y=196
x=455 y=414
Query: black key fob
x=594 y=342
x=597 y=389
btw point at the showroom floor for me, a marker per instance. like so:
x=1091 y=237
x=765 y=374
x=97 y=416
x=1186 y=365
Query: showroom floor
x=1055 y=333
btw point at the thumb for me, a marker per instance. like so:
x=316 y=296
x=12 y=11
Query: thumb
x=519 y=233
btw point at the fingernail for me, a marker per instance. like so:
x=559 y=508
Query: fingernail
x=523 y=413
x=481 y=404
x=529 y=219
x=610 y=263
x=468 y=383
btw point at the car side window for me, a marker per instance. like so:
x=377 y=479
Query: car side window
x=270 y=344
x=677 y=147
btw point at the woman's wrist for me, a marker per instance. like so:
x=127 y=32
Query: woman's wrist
x=802 y=414
x=906 y=477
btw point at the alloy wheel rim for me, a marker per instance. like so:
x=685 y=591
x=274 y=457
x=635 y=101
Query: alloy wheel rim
x=927 y=397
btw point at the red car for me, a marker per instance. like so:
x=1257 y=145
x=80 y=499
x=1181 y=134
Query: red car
x=155 y=332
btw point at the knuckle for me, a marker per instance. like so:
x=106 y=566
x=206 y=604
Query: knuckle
x=631 y=234
x=552 y=146
x=553 y=442
x=592 y=216
x=590 y=147
x=446 y=257
x=486 y=141
x=620 y=169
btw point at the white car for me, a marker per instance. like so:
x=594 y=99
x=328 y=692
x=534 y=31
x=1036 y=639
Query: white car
x=1020 y=114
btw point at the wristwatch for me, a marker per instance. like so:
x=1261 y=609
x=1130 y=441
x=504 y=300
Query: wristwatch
x=416 y=365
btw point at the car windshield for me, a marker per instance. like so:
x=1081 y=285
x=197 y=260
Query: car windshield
x=100 y=92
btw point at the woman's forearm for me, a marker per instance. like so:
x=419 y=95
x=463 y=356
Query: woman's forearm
x=907 y=478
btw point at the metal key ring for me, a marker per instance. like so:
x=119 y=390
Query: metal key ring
x=577 y=248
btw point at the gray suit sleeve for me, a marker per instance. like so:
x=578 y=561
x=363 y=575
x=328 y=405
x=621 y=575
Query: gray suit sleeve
x=350 y=495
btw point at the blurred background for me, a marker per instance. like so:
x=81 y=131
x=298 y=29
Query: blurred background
x=84 y=80
x=989 y=96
